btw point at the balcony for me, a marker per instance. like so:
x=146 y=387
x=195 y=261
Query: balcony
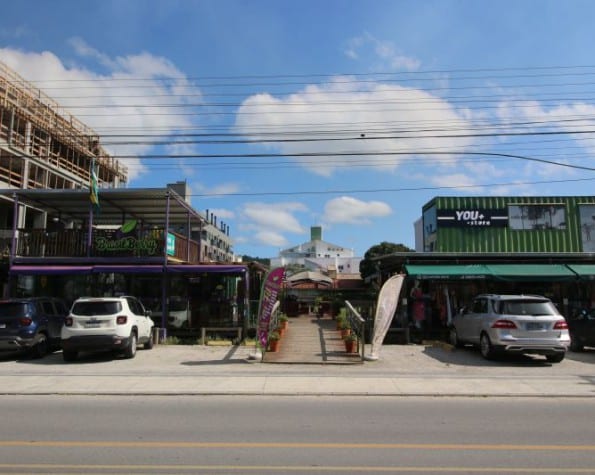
x=105 y=244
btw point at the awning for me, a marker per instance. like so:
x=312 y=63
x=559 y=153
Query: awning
x=209 y=268
x=447 y=271
x=124 y=269
x=584 y=271
x=50 y=270
x=127 y=269
x=530 y=272
x=310 y=276
x=504 y=272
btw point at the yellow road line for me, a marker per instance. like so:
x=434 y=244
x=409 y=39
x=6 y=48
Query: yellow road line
x=290 y=445
x=127 y=469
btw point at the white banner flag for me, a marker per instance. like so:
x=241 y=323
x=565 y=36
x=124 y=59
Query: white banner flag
x=388 y=298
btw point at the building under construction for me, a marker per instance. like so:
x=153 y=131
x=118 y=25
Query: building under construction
x=44 y=146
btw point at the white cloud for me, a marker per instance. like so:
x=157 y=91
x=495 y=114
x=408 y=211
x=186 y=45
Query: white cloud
x=360 y=119
x=456 y=180
x=215 y=191
x=126 y=106
x=276 y=216
x=270 y=238
x=369 y=47
x=223 y=213
x=350 y=210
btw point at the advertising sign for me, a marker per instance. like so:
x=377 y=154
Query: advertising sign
x=472 y=218
x=268 y=298
x=171 y=244
x=385 y=310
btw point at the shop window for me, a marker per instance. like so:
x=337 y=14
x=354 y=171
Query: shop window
x=537 y=216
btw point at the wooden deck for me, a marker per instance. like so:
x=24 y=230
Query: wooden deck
x=312 y=340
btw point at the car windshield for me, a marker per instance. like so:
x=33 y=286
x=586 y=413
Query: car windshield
x=527 y=307
x=96 y=308
x=14 y=309
x=177 y=305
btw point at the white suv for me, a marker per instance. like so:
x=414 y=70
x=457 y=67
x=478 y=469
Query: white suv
x=106 y=323
x=514 y=324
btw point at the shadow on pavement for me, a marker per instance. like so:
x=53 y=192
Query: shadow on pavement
x=470 y=356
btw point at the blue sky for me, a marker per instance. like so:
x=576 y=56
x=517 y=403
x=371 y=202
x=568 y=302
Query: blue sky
x=282 y=115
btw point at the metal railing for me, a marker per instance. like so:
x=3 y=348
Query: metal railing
x=358 y=326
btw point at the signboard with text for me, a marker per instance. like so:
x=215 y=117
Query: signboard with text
x=472 y=218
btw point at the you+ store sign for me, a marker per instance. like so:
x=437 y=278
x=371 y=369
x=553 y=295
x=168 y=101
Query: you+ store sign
x=460 y=218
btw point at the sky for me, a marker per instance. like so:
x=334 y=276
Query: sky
x=347 y=114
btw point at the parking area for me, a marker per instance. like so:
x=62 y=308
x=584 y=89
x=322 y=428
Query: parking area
x=430 y=369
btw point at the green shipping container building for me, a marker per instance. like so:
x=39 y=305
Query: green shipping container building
x=546 y=224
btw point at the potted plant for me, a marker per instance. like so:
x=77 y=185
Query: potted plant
x=350 y=343
x=273 y=341
x=283 y=321
x=345 y=328
x=340 y=320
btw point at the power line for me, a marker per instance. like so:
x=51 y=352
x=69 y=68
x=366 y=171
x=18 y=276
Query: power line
x=388 y=190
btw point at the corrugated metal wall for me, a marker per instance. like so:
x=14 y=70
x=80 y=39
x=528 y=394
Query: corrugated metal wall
x=504 y=239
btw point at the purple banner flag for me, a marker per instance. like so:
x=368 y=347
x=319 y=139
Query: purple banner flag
x=268 y=298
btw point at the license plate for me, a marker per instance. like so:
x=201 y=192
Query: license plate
x=2 y=325
x=92 y=324
x=534 y=326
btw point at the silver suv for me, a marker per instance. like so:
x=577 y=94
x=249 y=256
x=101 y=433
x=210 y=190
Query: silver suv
x=512 y=323
x=106 y=323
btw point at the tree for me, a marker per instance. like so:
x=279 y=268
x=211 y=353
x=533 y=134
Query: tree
x=367 y=267
x=261 y=260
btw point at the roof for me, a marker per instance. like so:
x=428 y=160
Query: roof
x=311 y=277
x=147 y=205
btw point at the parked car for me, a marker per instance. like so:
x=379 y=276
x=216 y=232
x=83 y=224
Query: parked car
x=106 y=323
x=512 y=324
x=581 y=326
x=178 y=313
x=31 y=324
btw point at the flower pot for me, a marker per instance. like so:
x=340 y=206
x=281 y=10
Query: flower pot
x=350 y=346
x=273 y=346
x=345 y=332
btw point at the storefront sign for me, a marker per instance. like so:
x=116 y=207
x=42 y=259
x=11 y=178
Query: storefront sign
x=472 y=218
x=171 y=244
x=148 y=246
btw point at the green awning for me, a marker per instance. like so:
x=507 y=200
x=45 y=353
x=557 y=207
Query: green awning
x=447 y=271
x=585 y=271
x=531 y=272
x=504 y=272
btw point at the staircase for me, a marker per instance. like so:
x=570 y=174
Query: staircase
x=312 y=340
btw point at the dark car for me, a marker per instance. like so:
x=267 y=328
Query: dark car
x=581 y=326
x=31 y=324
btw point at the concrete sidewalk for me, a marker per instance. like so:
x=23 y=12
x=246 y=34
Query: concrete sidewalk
x=403 y=370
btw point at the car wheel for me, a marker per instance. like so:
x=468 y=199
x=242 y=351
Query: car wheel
x=556 y=358
x=69 y=355
x=486 y=348
x=149 y=343
x=130 y=350
x=575 y=344
x=40 y=349
x=453 y=338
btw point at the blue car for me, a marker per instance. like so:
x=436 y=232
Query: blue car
x=31 y=325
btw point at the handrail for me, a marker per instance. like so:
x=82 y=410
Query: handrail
x=358 y=326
